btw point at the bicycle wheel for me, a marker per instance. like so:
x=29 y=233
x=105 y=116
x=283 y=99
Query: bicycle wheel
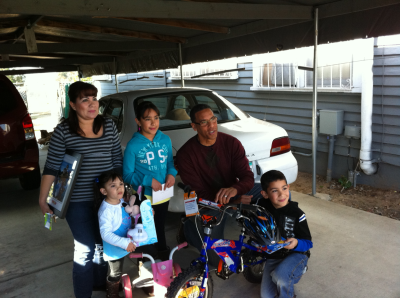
x=187 y=284
x=254 y=273
x=127 y=286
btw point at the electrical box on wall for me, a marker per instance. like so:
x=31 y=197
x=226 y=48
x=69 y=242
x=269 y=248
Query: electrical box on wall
x=331 y=122
x=352 y=132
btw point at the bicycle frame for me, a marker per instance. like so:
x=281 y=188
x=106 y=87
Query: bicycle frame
x=229 y=251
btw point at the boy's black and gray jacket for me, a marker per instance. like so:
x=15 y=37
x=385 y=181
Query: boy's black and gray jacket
x=99 y=155
x=292 y=223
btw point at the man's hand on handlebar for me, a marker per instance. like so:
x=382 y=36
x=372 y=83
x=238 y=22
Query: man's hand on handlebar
x=244 y=199
x=224 y=194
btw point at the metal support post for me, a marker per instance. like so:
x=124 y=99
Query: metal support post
x=330 y=158
x=115 y=74
x=79 y=74
x=180 y=62
x=314 y=107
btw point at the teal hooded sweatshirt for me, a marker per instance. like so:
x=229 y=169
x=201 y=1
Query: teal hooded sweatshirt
x=145 y=160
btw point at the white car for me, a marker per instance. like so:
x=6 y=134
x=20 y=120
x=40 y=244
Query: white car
x=267 y=145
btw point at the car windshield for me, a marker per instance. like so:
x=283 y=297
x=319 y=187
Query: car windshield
x=175 y=108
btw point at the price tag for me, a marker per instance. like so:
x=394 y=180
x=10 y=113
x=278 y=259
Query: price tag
x=190 y=204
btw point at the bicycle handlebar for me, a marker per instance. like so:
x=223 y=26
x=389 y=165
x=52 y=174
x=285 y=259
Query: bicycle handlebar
x=222 y=208
x=248 y=207
x=186 y=188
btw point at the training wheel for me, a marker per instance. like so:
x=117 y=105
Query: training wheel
x=127 y=286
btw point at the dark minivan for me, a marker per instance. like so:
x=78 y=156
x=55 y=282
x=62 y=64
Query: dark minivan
x=19 y=153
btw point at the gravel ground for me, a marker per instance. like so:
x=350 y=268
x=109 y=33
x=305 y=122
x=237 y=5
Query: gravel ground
x=383 y=202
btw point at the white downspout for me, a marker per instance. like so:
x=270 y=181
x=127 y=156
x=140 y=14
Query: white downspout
x=367 y=165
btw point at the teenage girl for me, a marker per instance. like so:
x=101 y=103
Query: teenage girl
x=114 y=224
x=148 y=161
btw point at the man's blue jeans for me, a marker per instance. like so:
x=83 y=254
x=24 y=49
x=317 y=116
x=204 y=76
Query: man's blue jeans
x=280 y=276
x=84 y=225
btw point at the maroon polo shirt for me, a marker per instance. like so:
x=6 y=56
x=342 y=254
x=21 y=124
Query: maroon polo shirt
x=207 y=169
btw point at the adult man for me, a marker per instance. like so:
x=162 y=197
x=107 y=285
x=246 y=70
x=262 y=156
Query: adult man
x=214 y=164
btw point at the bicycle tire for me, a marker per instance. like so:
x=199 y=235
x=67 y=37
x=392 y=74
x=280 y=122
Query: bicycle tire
x=127 y=286
x=253 y=274
x=179 y=286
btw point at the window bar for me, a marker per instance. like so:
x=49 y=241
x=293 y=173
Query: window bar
x=351 y=70
x=305 y=77
x=275 y=73
x=268 y=73
x=340 y=75
x=331 y=76
x=290 y=77
x=322 y=77
x=282 y=75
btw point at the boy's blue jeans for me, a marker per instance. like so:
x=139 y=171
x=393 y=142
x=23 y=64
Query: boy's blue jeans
x=280 y=276
x=84 y=226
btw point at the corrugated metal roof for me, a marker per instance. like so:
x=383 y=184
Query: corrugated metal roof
x=144 y=35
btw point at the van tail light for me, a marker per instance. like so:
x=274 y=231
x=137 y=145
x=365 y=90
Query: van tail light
x=280 y=145
x=28 y=127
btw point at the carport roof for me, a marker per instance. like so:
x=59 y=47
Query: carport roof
x=144 y=34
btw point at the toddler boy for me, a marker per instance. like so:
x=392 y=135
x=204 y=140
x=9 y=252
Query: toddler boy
x=289 y=263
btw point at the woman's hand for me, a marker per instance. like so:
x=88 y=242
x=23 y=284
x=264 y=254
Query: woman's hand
x=293 y=243
x=169 y=182
x=45 y=185
x=45 y=207
x=131 y=247
x=155 y=185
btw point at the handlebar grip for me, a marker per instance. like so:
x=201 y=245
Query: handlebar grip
x=248 y=207
x=186 y=188
x=136 y=255
x=182 y=245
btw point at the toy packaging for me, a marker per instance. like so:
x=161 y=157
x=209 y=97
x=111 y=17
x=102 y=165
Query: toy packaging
x=143 y=233
x=270 y=248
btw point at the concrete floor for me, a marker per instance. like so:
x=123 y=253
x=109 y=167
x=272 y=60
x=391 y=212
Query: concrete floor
x=355 y=254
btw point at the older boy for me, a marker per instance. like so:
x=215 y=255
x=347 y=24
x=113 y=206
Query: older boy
x=289 y=263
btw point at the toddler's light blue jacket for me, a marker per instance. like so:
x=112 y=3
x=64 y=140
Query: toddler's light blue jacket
x=145 y=160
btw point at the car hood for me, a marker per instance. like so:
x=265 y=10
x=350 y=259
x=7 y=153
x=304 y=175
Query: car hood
x=255 y=135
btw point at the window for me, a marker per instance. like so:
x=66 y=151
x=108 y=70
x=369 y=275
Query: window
x=102 y=105
x=181 y=102
x=114 y=111
x=279 y=74
x=175 y=108
x=280 y=71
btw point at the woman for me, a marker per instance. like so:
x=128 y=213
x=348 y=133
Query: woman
x=96 y=138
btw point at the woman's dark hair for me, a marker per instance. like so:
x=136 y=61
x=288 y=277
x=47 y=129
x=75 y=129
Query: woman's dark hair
x=100 y=183
x=78 y=90
x=143 y=107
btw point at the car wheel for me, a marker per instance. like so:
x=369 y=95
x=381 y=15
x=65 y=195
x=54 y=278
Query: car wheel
x=31 y=180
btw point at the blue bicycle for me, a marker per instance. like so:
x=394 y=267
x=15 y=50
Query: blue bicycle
x=235 y=256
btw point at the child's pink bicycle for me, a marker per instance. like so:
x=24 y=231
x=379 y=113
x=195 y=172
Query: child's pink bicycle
x=163 y=273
